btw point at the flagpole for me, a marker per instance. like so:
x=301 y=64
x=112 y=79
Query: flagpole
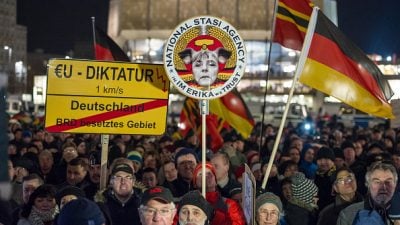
x=105 y=138
x=268 y=72
x=299 y=70
x=94 y=34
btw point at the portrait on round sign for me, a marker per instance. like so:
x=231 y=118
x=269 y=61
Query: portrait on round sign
x=207 y=60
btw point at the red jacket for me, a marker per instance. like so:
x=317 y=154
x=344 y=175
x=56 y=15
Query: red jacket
x=227 y=211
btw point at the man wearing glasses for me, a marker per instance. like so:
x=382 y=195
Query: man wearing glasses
x=120 y=201
x=381 y=179
x=157 y=207
x=345 y=189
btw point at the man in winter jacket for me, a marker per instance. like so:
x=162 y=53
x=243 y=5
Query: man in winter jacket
x=381 y=182
x=227 y=211
x=121 y=202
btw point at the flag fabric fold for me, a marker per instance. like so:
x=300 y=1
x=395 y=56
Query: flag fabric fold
x=106 y=49
x=337 y=67
x=233 y=110
x=291 y=22
x=228 y=110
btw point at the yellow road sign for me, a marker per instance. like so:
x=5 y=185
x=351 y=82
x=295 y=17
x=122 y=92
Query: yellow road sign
x=106 y=97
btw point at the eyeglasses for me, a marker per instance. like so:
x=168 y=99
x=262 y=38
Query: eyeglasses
x=345 y=180
x=119 y=178
x=272 y=213
x=148 y=211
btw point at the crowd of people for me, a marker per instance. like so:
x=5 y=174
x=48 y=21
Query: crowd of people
x=339 y=175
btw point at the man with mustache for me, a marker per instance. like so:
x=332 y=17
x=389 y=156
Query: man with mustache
x=381 y=179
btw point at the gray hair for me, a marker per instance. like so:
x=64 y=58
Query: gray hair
x=380 y=166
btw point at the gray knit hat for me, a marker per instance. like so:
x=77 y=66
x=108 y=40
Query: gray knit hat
x=303 y=189
x=269 y=197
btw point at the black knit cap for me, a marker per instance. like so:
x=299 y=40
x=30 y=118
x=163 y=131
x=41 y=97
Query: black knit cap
x=325 y=153
x=196 y=199
x=69 y=190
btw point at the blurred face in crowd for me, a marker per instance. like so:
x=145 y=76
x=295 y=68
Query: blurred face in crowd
x=221 y=166
x=185 y=165
x=11 y=172
x=69 y=153
x=291 y=170
x=157 y=213
x=349 y=154
x=191 y=215
x=94 y=173
x=149 y=179
x=345 y=183
x=287 y=191
x=324 y=164
x=150 y=162
x=170 y=172
x=211 y=182
x=309 y=155
x=122 y=184
x=75 y=174
x=294 y=154
x=267 y=214
x=46 y=161
x=45 y=203
x=28 y=187
x=382 y=186
x=81 y=148
x=339 y=162
x=396 y=161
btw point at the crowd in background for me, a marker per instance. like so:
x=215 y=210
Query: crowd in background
x=315 y=179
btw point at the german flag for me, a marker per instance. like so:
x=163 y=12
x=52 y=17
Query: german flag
x=291 y=22
x=233 y=110
x=190 y=120
x=106 y=49
x=337 y=67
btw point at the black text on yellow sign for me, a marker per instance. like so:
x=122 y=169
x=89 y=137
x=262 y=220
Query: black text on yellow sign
x=106 y=97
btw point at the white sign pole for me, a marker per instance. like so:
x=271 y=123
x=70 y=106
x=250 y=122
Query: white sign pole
x=204 y=112
x=104 y=157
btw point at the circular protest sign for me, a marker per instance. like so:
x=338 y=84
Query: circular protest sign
x=204 y=57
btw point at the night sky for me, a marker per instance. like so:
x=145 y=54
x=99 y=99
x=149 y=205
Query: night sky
x=54 y=25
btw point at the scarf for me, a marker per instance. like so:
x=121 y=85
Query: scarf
x=38 y=217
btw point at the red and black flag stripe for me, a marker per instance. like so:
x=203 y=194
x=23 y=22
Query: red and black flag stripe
x=337 y=67
x=291 y=22
x=106 y=49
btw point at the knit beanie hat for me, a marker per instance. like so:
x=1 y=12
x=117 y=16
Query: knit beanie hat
x=269 y=197
x=347 y=144
x=303 y=189
x=69 y=190
x=197 y=170
x=185 y=151
x=338 y=153
x=325 y=153
x=81 y=212
x=135 y=156
x=196 y=199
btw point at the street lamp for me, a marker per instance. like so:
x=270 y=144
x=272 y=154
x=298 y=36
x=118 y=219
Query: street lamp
x=6 y=47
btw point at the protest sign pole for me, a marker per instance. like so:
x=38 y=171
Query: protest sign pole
x=104 y=157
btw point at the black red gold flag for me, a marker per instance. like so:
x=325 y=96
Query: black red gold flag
x=291 y=22
x=336 y=66
x=106 y=49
